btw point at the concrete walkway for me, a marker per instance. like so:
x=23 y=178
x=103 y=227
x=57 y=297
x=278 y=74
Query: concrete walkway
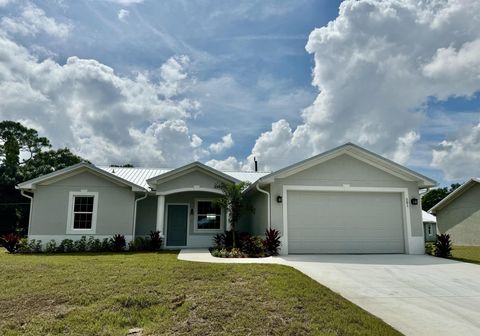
x=416 y=294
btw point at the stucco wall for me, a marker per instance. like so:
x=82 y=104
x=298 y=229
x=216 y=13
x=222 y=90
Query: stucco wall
x=50 y=207
x=259 y=218
x=341 y=170
x=189 y=180
x=146 y=216
x=461 y=218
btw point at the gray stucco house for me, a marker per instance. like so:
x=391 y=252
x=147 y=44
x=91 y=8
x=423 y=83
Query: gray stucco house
x=458 y=214
x=346 y=200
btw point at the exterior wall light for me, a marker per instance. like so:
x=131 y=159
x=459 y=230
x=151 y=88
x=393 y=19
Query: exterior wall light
x=414 y=201
x=279 y=199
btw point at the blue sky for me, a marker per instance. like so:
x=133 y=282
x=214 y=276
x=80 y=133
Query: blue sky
x=161 y=83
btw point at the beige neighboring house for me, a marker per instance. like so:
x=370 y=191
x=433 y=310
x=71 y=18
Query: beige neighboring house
x=458 y=214
x=346 y=200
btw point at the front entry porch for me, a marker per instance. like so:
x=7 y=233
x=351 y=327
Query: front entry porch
x=189 y=219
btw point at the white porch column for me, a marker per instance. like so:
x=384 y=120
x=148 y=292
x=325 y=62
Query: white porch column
x=160 y=213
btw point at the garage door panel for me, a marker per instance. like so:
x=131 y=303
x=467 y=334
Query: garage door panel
x=342 y=222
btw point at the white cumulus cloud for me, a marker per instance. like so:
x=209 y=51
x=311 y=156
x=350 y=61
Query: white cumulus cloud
x=376 y=66
x=33 y=21
x=459 y=158
x=227 y=142
x=101 y=115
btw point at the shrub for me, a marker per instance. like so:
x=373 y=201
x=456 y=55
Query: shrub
x=272 y=241
x=430 y=248
x=252 y=246
x=229 y=235
x=10 y=241
x=224 y=253
x=219 y=241
x=66 y=245
x=81 y=244
x=155 y=240
x=93 y=244
x=106 y=245
x=23 y=246
x=139 y=244
x=51 y=246
x=443 y=246
x=118 y=242
x=29 y=246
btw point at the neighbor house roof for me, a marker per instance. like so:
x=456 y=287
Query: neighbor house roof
x=140 y=176
x=455 y=194
x=428 y=218
x=359 y=153
x=76 y=169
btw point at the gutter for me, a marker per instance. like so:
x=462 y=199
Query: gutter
x=135 y=213
x=22 y=192
x=268 y=204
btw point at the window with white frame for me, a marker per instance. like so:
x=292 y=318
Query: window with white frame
x=82 y=212
x=208 y=216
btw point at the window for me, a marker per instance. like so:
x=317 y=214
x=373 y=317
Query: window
x=208 y=216
x=429 y=226
x=82 y=214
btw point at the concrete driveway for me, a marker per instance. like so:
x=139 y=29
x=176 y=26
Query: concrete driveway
x=416 y=294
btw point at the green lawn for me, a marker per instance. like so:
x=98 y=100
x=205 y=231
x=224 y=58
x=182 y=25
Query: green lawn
x=469 y=254
x=107 y=294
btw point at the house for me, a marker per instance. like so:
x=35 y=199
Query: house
x=458 y=214
x=429 y=226
x=346 y=200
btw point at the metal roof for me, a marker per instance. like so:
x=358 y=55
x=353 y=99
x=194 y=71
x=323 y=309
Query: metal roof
x=139 y=176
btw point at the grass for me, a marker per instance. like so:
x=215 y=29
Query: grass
x=107 y=294
x=469 y=254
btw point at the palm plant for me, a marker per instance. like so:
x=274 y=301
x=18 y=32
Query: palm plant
x=233 y=202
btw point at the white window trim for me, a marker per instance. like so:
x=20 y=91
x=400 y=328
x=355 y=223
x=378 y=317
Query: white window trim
x=72 y=195
x=195 y=219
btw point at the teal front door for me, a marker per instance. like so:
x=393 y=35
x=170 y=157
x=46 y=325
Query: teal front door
x=177 y=224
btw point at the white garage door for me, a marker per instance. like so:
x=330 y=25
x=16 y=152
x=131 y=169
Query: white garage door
x=345 y=222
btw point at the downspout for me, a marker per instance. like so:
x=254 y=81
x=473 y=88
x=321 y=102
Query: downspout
x=135 y=213
x=268 y=204
x=30 y=212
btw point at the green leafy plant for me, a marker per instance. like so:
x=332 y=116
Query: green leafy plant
x=155 y=240
x=219 y=241
x=51 y=246
x=93 y=244
x=252 y=246
x=106 y=245
x=272 y=241
x=10 y=242
x=234 y=203
x=118 y=243
x=35 y=246
x=139 y=244
x=80 y=245
x=443 y=246
x=66 y=246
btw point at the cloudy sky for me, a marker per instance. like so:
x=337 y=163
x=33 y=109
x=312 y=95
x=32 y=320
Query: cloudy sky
x=162 y=83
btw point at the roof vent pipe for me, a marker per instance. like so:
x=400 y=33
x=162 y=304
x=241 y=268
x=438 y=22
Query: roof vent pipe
x=256 y=163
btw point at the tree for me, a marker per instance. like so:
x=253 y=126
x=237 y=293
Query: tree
x=27 y=139
x=47 y=162
x=16 y=142
x=233 y=202
x=436 y=195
